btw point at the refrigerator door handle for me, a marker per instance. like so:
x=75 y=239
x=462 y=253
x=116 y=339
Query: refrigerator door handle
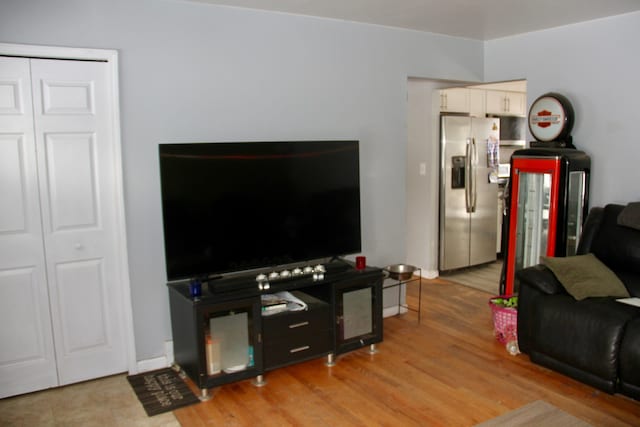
x=472 y=172
x=467 y=177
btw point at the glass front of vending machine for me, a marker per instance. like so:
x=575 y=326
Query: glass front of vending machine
x=548 y=204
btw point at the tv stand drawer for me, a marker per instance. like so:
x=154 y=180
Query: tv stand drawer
x=294 y=336
x=287 y=351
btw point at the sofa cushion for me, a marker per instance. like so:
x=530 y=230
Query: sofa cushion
x=630 y=216
x=616 y=246
x=629 y=370
x=631 y=281
x=584 y=334
x=584 y=276
x=540 y=277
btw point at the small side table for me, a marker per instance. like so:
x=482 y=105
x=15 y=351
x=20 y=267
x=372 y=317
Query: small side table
x=390 y=281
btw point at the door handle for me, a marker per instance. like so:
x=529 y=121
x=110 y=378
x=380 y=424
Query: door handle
x=472 y=172
x=467 y=176
x=298 y=325
x=299 y=349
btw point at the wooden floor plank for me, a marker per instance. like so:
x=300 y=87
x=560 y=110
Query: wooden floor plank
x=446 y=370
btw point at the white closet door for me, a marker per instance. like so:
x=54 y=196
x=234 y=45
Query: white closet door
x=27 y=359
x=75 y=152
x=61 y=305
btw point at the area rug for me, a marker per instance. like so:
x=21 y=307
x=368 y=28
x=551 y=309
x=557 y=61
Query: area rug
x=538 y=413
x=161 y=391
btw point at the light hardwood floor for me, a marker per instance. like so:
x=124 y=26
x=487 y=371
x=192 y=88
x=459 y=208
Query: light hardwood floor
x=447 y=370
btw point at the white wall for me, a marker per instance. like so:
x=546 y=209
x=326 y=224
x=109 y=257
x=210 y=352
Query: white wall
x=196 y=72
x=422 y=190
x=597 y=66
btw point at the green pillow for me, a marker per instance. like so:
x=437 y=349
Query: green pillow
x=585 y=276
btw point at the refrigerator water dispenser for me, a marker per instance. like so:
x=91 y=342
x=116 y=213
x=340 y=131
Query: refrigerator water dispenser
x=457 y=171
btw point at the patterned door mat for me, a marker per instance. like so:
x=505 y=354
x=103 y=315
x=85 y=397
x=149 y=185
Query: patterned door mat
x=161 y=391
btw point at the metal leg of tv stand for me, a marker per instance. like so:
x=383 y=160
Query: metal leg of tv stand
x=331 y=360
x=204 y=395
x=373 y=349
x=259 y=381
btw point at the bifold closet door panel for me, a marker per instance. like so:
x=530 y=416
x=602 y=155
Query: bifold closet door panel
x=75 y=152
x=61 y=305
x=27 y=360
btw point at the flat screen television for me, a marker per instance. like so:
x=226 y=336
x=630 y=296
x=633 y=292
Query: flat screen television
x=230 y=207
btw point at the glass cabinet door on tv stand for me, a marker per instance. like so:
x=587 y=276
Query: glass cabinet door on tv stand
x=217 y=343
x=358 y=310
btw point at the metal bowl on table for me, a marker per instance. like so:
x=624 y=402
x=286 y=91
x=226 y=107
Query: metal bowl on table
x=400 y=271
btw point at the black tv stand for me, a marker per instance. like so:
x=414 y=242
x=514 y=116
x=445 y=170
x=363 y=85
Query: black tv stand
x=344 y=313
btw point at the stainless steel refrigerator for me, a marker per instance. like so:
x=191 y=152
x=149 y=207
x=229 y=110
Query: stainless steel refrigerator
x=468 y=191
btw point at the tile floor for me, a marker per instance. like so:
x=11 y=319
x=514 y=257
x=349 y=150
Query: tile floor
x=107 y=401
x=484 y=277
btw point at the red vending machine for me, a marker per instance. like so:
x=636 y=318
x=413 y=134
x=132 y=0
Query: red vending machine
x=549 y=189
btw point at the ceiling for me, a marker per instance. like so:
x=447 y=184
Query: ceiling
x=474 y=19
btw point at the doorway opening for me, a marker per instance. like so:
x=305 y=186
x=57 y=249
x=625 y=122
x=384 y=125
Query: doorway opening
x=425 y=106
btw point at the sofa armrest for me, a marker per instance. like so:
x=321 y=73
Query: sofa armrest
x=590 y=229
x=541 y=278
x=537 y=285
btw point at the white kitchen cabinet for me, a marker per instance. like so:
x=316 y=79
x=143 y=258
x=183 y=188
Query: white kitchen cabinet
x=502 y=102
x=477 y=102
x=454 y=100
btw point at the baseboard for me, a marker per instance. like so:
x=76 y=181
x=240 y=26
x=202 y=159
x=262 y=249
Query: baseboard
x=168 y=352
x=430 y=274
x=157 y=362
x=393 y=311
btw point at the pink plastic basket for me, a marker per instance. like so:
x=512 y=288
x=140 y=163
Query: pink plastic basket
x=505 y=322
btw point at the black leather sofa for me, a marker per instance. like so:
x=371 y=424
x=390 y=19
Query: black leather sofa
x=594 y=340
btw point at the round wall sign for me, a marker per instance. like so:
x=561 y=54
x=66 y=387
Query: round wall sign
x=551 y=118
